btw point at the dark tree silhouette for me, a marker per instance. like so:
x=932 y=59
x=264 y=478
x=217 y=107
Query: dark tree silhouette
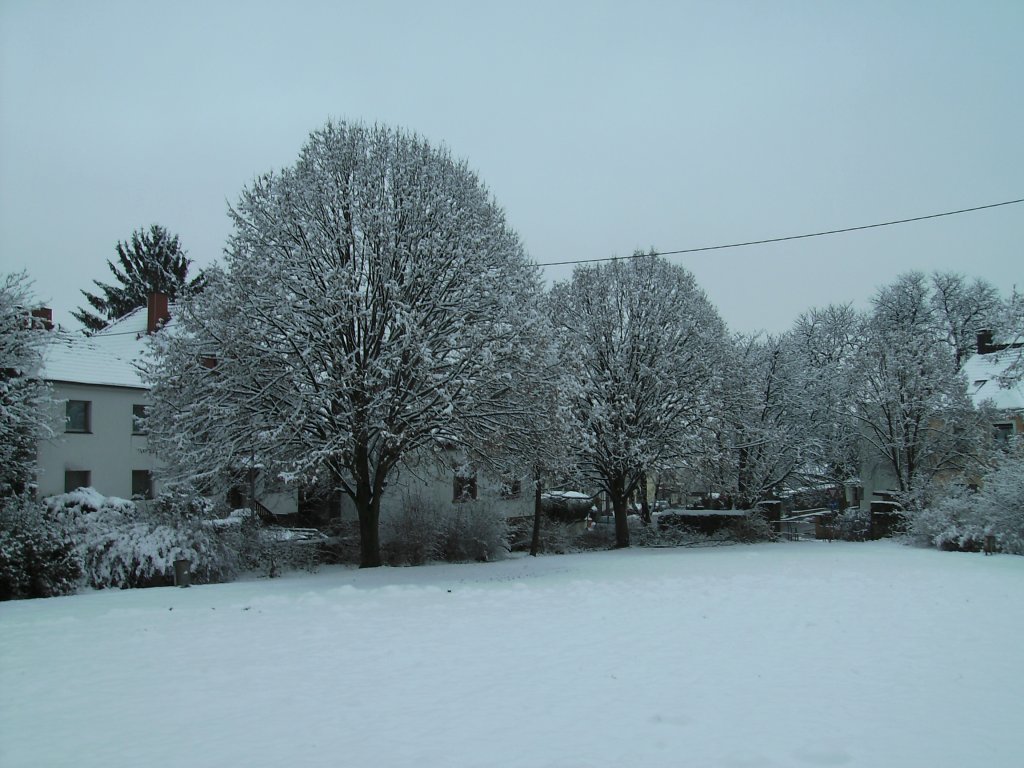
x=152 y=261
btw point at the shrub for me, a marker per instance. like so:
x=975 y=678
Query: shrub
x=473 y=532
x=854 y=524
x=422 y=530
x=950 y=523
x=411 y=535
x=122 y=544
x=37 y=556
x=961 y=518
x=1000 y=503
x=142 y=554
x=750 y=529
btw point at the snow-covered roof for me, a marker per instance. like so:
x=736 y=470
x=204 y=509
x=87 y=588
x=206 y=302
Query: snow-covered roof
x=109 y=357
x=983 y=373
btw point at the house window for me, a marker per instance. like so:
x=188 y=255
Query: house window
x=76 y=478
x=142 y=484
x=464 y=488
x=511 y=488
x=139 y=420
x=1002 y=433
x=78 y=416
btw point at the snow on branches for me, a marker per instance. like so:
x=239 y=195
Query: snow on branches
x=24 y=397
x=370 y=306
x=640 y=345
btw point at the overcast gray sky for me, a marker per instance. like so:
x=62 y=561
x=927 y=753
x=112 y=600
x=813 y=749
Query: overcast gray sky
x=600 y=127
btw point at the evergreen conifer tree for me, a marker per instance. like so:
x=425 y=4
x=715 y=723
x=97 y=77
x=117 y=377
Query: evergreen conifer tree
x=151 y=261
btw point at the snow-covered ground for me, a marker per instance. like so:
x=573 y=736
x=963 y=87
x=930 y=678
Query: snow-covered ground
x=796 y=654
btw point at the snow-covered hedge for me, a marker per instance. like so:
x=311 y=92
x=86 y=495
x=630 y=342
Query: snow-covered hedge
x=37 y=556
x=962 y=518
x=123 y=544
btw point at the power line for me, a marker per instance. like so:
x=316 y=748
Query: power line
x=782 y=239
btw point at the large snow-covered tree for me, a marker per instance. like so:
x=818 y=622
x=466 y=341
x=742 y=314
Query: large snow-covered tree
x=824 y=343
x=763 y=434
x=373 y=308
x=961 y=308
x=911 y=403
x=151 y=261
x=639 y=343
x=24 y=397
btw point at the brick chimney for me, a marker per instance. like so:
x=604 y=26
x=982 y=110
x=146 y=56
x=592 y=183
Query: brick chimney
x=985 y=339
x=157 y=313
x=45 y=315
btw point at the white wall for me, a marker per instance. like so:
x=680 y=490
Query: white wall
x=109 y=451
x=435 y=485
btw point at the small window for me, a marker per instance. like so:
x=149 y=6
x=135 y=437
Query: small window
x=464 y=488
x=142 y=484
x=76 y=478
x=511 y=488
x=78 y=416
x=139 y=420
x=1003 y=433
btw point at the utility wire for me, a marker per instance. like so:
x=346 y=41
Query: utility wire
x=781 y=239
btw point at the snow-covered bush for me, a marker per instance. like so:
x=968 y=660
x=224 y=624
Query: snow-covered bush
x=422 y=531
x=750 y=529
x=1000 y=503
x=37 y=556
x=269 y=550
x=122 y=544
x=961 y=518
x=86 y=507
x=411 y=535
x=950 y=522
x=854 y=524
x=474 y=532
x=142 y=554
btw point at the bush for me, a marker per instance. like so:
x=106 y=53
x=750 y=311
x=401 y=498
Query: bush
x=750 y=529
x=411 y=536
x=122 y=544
x=1000 y=503
x=422 y=531
x=473 y=532
x=37 y=556
x=142 y=554
x=853 y=524
x=962 y=518
x=950 y=523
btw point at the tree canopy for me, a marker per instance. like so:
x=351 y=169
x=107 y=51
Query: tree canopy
x=24 y=397
x=640 y=346
x=370 y=310
x=151 y=261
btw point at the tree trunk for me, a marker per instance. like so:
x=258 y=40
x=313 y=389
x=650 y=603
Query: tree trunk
x=369 y=534
x=535 y=540
x=618 y=498
x=368 y=507
x=645 y=507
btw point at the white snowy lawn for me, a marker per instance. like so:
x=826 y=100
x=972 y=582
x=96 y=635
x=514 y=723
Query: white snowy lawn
x=796 y=654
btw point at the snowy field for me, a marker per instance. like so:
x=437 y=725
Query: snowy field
x=796 y=654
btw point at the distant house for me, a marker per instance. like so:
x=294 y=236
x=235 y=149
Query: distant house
x=440 y=485
x=988 y=382
x=986 y=373
x=99 y=440
x=99 y=436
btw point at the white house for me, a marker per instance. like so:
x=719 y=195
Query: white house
x=987 y=382
x=98 y=440
x=439 y=484
x=100 y=398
